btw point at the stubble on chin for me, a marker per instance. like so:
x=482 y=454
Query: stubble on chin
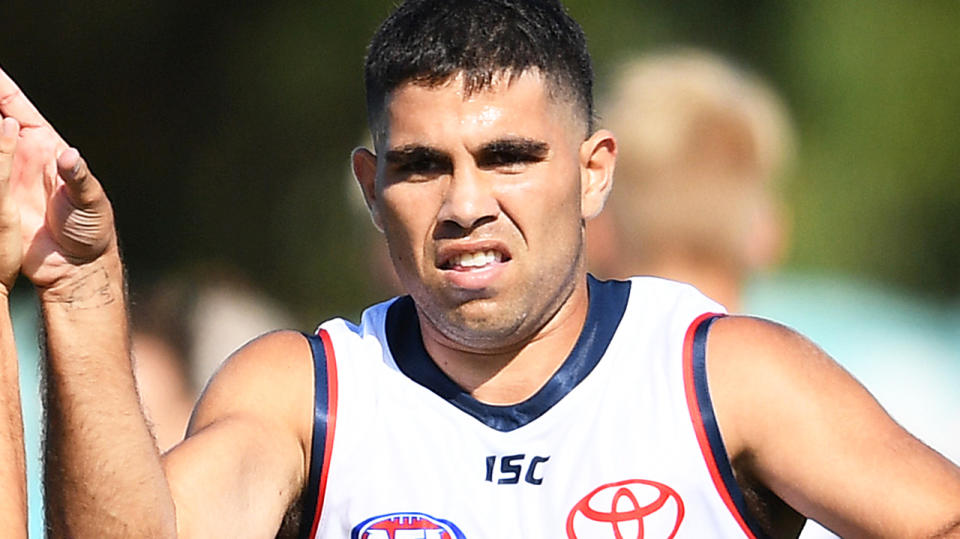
x=475 y=325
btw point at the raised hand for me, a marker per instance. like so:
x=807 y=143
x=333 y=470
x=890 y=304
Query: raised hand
x=68 y=248
x=11 y=244
x=66 y=221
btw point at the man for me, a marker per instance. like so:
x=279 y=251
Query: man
x=508 y=395
x=13 y=481
x=703 y=145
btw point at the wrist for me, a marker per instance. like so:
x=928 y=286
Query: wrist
x=90 y=285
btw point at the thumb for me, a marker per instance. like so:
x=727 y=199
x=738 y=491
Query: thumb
x=82 y=188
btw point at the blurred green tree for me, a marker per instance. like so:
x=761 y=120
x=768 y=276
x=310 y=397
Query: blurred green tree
x=222 y=130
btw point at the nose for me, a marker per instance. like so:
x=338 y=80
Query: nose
x=468 y=201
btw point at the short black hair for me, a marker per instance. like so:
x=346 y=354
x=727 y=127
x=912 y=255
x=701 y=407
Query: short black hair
x=429 y=41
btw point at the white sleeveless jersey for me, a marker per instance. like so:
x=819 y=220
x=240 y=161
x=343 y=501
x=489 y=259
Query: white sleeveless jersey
x=620 y=443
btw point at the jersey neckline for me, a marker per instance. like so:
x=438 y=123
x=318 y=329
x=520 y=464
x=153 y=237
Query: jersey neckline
x=608 y=302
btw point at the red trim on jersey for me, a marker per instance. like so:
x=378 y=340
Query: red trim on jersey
x=331 y=423
x=694 y=407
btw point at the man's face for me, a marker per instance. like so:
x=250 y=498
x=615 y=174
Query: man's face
x=480 y=200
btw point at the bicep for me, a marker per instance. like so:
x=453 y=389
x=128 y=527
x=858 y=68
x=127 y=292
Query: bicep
x=234 y=478
x=818 y=439
x=244 y=460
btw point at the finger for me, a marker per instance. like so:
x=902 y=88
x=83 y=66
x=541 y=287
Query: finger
x=9 y=130
x=82 y=187
x=14 y=103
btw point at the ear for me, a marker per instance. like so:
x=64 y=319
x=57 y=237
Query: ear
x=365 y=171
x=598 y=156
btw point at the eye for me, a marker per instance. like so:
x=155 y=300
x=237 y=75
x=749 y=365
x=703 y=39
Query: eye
x=422 y=167
x=417 y=163
x=512 y=155
x=508 y=160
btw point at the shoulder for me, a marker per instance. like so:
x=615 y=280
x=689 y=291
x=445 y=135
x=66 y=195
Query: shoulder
x=752 y=361
x=751 y=353
x=257 y=365
x=750 y=342
x=270 y=377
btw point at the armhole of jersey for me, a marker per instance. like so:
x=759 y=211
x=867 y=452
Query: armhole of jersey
x=705 y=424
x=324 y=426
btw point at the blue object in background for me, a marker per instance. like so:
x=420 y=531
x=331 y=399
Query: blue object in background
x=25 y=315
x=905 y=350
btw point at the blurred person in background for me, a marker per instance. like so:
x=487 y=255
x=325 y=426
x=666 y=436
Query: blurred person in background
x=696 y=197
x=183 y=326
x=703 y=148
x=160 y=337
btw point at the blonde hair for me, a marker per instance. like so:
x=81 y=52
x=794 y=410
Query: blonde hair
x=701 y=143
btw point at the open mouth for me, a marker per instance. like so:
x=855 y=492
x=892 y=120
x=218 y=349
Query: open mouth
x=474 y=259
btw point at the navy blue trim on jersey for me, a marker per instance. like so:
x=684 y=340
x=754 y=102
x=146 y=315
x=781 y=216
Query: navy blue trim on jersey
x=712 y=429
x=321 y=403
x=608 y=301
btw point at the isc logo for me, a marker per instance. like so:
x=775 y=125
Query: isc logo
x=406 y=526
x=511 y=469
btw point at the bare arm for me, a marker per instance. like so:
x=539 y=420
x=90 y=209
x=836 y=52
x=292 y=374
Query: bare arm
x=13 y=493
x=102 y=470
x=247 y=451
x=820 y=441
x=244 y=461
x=101 y=467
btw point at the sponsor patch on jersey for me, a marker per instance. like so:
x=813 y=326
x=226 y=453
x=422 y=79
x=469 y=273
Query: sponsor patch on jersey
x=631 y=508
x=406 y=526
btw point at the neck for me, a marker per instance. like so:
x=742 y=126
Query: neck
x=512 y=375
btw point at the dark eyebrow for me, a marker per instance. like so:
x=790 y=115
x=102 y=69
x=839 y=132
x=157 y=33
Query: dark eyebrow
x=519 y=146
x=413 y=153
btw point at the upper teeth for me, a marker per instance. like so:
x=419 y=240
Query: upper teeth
x=473 y=260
